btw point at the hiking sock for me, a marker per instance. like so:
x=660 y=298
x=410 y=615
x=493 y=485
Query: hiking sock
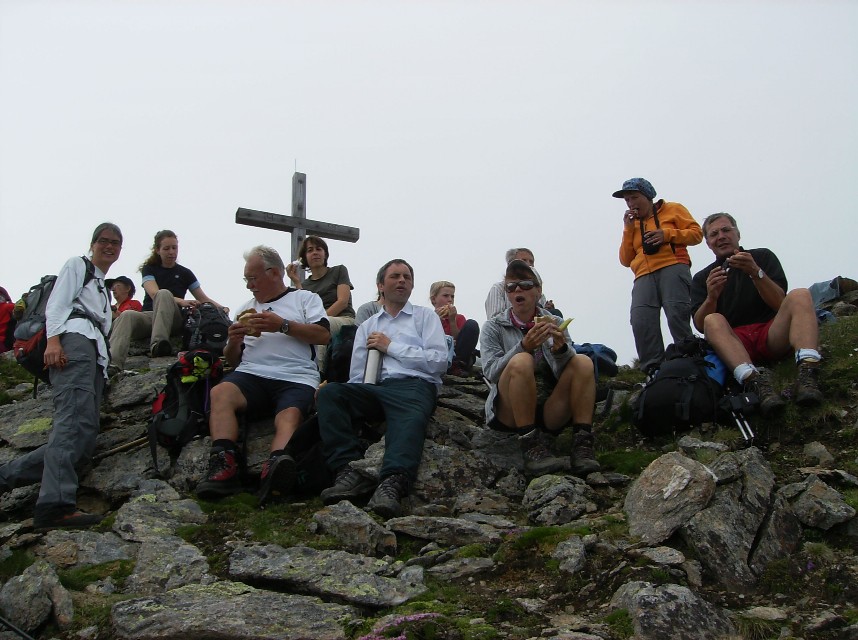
x=743 y=371
x=807 y=355
x=223 y=444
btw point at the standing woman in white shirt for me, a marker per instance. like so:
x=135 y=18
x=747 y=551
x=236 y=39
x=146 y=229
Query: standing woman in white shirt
x=78 y=319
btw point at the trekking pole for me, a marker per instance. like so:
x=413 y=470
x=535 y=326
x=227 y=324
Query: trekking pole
x=744 y=426
x=4 y=623
x=735 y=405
x=121 y=448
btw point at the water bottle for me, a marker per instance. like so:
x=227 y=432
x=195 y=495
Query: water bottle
x=372 y=371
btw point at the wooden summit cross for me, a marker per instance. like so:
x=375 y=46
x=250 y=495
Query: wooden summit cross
x=297 y=223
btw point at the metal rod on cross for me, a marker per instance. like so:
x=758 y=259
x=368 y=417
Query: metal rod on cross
x=297 y=224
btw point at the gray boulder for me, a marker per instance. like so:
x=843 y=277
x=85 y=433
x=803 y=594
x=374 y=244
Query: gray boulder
x=671 y=612
x=332 y=574
x=229 y=610
x=669 y=491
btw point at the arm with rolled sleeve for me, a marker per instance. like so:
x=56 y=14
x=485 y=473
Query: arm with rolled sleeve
x=66 y=289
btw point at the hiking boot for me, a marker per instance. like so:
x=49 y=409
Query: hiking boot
x=162 y=348
x=349 y=485
x=806 y=389
x=63 y=517
x=222 y=479
x=278 y=477
x=538 y=459
x=583 y=457
x=388 y=495
x=761 y=384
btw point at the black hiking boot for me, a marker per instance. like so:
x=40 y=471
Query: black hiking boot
x=278 y=477
x=63 y=517
x=349 y=485
x=223 y=476
x=583 y=456
x=386 y=501
x=761 y=384
x=538 y=459
x=162 y=348
x=806 y=389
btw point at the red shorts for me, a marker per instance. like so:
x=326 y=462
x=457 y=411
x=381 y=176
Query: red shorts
x=754 y=338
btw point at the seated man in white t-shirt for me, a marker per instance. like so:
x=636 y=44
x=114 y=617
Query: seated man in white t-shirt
x=271 y=346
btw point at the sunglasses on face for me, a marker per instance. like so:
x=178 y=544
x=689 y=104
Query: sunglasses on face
x=524 y=285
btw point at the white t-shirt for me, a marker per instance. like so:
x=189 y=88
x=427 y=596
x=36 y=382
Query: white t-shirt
x=279 y=356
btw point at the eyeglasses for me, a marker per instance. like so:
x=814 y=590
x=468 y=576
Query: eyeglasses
x=524 y=285
x=714 y=233
x=251 y=279
x=107 y=241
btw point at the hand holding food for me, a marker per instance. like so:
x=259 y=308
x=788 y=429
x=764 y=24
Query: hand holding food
x=244 y=318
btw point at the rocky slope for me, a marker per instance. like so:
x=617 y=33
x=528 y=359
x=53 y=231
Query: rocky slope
x=699 y=536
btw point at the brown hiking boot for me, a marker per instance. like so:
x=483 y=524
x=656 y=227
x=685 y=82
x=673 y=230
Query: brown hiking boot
x=583 y=456
x=806 y=389
x=761 y=384
x=538 y=459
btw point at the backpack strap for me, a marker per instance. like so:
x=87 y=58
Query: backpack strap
x=657 y=226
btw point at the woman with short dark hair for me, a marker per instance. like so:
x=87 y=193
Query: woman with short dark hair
x=331 y=284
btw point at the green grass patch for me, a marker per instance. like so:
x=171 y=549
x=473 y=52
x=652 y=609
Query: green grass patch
x=629 y=462
x=840 y=364
x=504 y=610
x=78 y=578
x=282 y=524
x=781 y=576
x=819 y=553
x=15 y=564
x=473 y=551
x=12 y=374
x=543 y=538
x=851 y=497
x=620 y=623
x=757 y=629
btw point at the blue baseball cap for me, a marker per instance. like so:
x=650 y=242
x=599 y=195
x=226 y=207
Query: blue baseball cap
x=636 y=184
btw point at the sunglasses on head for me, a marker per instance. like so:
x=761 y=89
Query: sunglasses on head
x=524 y=285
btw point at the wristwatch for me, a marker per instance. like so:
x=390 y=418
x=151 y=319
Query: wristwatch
x=284 y=328
x=761 y=274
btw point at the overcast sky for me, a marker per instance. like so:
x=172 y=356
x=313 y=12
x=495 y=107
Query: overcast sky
x=446 y=131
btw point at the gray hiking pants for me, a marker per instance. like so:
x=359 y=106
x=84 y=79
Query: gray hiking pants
x=669 y=289
x=77 y=390
x=163 y=321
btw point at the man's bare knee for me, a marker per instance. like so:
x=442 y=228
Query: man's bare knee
x=715 y=323
x=226 y=396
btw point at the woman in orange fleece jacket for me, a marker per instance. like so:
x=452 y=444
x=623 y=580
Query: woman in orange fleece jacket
x=655 y=237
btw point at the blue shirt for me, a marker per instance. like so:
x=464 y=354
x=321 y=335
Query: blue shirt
x=417 y=346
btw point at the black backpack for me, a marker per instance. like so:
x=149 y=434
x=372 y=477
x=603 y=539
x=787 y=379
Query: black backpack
x=206 y=327
x=681 y=393
x=180 y=412
x=339 y=354
x=30 y=338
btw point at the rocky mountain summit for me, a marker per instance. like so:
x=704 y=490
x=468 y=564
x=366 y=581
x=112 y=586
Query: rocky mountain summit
x=697 y=536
